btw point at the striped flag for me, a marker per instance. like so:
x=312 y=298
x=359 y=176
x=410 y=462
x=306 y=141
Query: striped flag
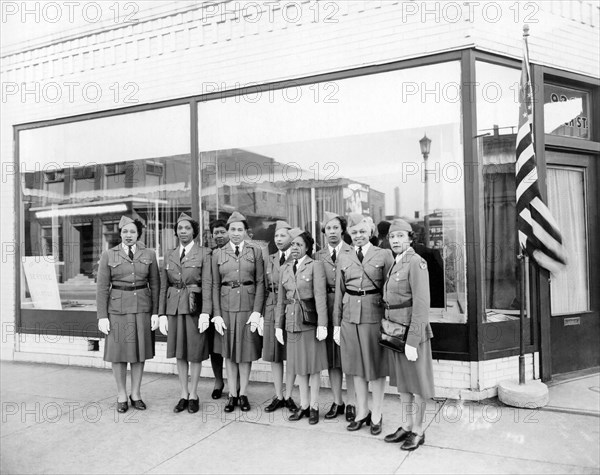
x=539 y=235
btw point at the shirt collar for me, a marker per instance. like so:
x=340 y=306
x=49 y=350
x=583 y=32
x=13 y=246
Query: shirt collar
x=187 y=248
x=365 y=248
x=240 y=245
x=301 y=260
x=126 y=248
x=337 y=248
x=286 y=253
x=400 y=256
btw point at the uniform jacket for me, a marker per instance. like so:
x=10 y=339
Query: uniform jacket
x=115 y=268
x=330 y=268
x=309 y=282
x=351 y=274
x=227 y=268
x=272 y=279
x=194 y=270
x=409 y=280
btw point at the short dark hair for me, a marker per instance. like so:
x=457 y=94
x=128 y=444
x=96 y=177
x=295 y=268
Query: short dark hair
x=309 y=241
x=195 y=227
x=343 y=223
x=383 y=228
x=219 y=223
x=138 y=225
x=243 y=221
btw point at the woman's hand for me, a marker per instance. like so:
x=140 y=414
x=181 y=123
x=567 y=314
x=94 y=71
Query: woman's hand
x=261 y=325
x=279 y=335
x=219 y=324
x=321 y=333
x=154 y=322
x=163 y=324
x=336 y=335
x=411 y=353
x=203 y=322
x=254 y=321
x=104 y=325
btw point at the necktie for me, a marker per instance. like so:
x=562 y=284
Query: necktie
x=237 y=251
x=130 y=253
x=282 y=259
x=295 y=268
x=333 y=255
x=182 y=255
x=360 y=254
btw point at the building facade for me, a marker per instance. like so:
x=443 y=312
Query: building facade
x=285 y=110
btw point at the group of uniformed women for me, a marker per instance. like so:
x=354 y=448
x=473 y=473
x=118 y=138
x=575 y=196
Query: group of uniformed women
x=316 y=314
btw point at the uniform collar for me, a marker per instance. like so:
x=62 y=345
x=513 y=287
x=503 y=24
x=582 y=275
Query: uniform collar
x=301 y=260
x=337 y=248
x=365 y=248
x=187 y=248
x=240 y=246
x=126 y=248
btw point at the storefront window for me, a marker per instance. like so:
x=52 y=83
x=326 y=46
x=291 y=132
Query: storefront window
x=78 y=179
x=344 y=146
x=497 y=114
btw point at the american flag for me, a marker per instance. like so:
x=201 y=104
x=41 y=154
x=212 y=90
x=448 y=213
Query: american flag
x=539 y=235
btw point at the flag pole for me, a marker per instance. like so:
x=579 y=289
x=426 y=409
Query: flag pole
x=523 y=299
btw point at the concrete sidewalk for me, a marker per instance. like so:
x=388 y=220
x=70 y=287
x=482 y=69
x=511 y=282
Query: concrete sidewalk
x=61 y=419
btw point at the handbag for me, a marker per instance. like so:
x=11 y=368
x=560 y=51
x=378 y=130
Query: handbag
x=309 y=312
x=194 y=299
x=393 y=335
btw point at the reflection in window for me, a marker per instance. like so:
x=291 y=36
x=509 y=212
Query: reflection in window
x=497 y=114
x=71 y=213
x=358 y=152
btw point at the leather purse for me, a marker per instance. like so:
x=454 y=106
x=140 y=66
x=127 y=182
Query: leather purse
x=393 y=335
x=194 y=301
x=309 y=312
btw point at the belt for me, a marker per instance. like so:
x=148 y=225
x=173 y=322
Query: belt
x=362 y=292
x=235 y=285
x=330 y=290
x=268 y=291
x=406 y=304
x=181 y=285
x=289 y=301
x=130 y=287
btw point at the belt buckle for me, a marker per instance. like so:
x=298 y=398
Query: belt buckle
x=235 y=285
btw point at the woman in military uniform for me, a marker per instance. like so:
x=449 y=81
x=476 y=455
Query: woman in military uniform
x=238 y=297
x=357 y=314
x=273 y=351
x=407 y=300
x=184 y=307
x=303 y=279
x=334 y=228
x=128 y=285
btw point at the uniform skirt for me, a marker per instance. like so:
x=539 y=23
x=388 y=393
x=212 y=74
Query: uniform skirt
x=361 y=353
x=215 y=340
x=184 y=341
x=240 y=344
x=130 y=339
x=272 y=351
x=414 y=377
x=334 y=357
x=305 y=354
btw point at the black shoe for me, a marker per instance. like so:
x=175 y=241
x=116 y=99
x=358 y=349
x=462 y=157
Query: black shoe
x=350 y=413
x=413 y=441
x=356 y=425
x=336 y=410
x=275 y=404
x=313 y=417
x=291 y=405
x=194 y=405
x=244 y=403
x=217 y=393
x=376 y=428
x=122 y=406
x=397 y=436
x=231 y=403
x=299 y=414
x=181 y=405
x=138 y=404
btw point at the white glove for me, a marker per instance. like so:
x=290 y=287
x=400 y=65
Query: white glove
x=253 y=320
x=163 y=324
x=336 y=335
x=321 y=333
x=261 y=326
x=411 y=353
x=154 y=323
x=203 y=322
x=279 y=335
x=219 y=324
x=104 y=325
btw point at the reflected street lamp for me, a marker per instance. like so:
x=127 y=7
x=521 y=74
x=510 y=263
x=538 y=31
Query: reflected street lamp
x=425 y=144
